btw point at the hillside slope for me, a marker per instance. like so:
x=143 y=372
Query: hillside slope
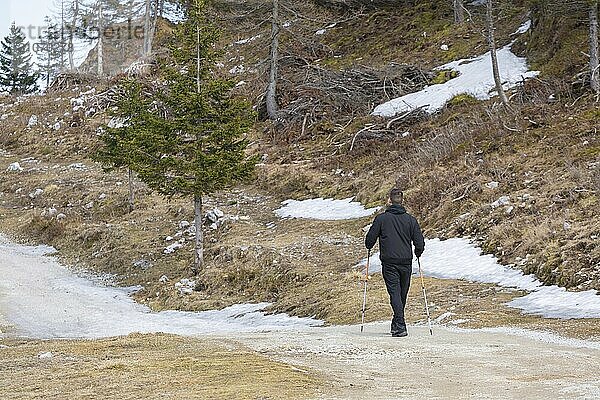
x=541 y=158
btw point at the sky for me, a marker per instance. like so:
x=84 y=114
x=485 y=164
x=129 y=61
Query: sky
x=24 y=13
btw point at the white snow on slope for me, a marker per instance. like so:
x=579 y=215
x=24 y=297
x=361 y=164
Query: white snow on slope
x=475 y=78
x=461 y=259
x=324 y=209
x=42 y=299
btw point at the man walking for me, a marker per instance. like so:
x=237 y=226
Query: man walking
x=397 y=231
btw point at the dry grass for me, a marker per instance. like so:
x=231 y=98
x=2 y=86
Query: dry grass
x=154 y=366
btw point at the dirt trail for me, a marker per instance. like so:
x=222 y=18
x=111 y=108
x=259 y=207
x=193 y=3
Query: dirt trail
x=451 y=364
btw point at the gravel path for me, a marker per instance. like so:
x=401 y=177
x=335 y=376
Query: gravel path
x=451 y=364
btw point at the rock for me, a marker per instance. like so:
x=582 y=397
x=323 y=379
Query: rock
x=61 y=216
x=185 y=286
x=89 y=205
x=33 y=121
x=502 y=201
x=102 y=196
x=163 y=279
x=214 y=215
x=56 y=126
x=444 y=47
x=49 y=213
x=566 y=226
x=183 y=224
x=36 y=193
x=78 y=166
x=492 y=185
x=45 y=356
x=509 y=209
x=211 y=216
x=15 y=167
x=143 y=264
x=169 y=238
x=173 y=247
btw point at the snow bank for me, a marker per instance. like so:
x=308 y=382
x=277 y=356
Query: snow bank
x=461 y=259
x=324 y=209
x=42 y=299
x=475 y=79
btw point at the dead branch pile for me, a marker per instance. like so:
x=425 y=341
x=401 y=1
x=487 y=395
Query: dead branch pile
x=106 y=99
x=312 y=93
x=67 y=80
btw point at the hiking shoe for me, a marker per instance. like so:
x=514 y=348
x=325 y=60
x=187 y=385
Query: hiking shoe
x=399 y=333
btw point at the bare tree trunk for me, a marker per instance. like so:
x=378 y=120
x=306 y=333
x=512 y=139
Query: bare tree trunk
x=271 y=96
x=459 y=12
x=72 y=33
x=149 y=26
x=594 y=62
x=131 y=191
x=100 y=46
x=492 y=43
x=62 y=37
x=153 y=23
x=199 y=258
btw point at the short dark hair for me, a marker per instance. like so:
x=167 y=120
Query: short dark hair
x=396 y=196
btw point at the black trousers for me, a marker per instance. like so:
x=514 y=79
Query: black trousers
x=397 y=281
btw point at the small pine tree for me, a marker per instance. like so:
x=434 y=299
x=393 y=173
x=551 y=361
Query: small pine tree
x=121 y=136
x=188 y=137
x=17 y=75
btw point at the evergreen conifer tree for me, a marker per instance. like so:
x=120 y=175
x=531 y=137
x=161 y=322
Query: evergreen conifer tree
x=17 y=75
x=188 y=138
x=124 y=137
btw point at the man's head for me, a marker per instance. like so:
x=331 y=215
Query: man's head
x=396 y=196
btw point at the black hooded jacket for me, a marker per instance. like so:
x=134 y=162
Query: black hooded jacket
x=397 y=231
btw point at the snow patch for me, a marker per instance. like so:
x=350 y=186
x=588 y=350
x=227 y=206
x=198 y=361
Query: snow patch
x=33 y=120
x=475 y=79
x=248 y=40
x=460 y=259
x=324 y=209
x=43 y=299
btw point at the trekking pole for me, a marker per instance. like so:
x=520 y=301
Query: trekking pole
x=364 y=306
x=425 y=296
